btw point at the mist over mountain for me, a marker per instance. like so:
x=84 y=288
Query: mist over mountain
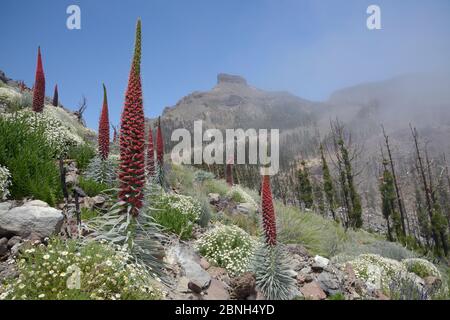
x=420 y=99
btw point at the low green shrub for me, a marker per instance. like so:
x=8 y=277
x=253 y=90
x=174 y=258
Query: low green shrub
x=19 y=102
x=318 y=235
x=82 y=154
x=215 y=186
x=201 y=176
x=422 y=268
x=91 y=187
x=176 y=213
x=181 y=178
x=70 y=270
x=247 y=222
x=228 y=247
x=29 y=157
x=337 y=296
x=88 y=214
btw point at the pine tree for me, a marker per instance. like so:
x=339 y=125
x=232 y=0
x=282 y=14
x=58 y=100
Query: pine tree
x=103 y=129
x=355 y=213
x=328 y=186
x=132 y=140
x=39 y=85
x=387 y=197
x=305 y=187
x=229 y=174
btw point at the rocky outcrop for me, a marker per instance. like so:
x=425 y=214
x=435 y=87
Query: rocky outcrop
x=33 y=219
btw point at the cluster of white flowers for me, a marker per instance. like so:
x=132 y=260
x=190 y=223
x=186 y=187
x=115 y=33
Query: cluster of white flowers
x=243 y=195
x=376 y=271
x=228 y=247
x=421 y=267
x=103 y=271
x=5 y=182
x=57 y=135
x=183 y=205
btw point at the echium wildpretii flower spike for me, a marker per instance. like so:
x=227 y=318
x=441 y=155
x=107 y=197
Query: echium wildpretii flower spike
x=132 y=136
x=103 y=129
x=39 y=85
x=55 y=97
x=268 y=212
x=114 y=134
x=150 y=154
x=229 y=173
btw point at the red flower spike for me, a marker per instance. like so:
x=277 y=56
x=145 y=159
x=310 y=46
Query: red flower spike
x=39 y=85
x=150 y=154
x=103 y=129
x=132 y=136
x=55 y=97
x=268 y=212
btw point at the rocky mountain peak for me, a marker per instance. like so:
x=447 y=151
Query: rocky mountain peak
x=228 y=78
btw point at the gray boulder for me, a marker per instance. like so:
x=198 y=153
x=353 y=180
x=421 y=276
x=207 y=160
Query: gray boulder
x=189 y=262
x=34 y=218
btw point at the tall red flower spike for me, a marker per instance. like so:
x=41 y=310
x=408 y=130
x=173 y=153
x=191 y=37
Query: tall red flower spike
x=132 y=136
x=39 y=85
x=229 y=173
x=103 y=129
x=268 y=213
x=55 y=97
x=159 y=146
x=114 y=134
x=150 y=154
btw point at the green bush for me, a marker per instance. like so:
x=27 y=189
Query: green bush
x=30 y=160
x=82 y=154
x=337 y=296
x=176 y=213
x=18 y=102
x=228 y=247
x=248 y=222
x=70 y=270
x=215 y=186
x=318 y=235
x=201 y=175
x=92 y=188
x=88 y=214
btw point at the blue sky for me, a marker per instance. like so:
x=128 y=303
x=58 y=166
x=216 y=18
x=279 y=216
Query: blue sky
x=309 y=48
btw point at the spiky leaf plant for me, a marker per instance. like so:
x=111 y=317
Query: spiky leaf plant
x=102 y=171
x=272 y=274
x=269 y=264
x=139 y=235
x=39 y=85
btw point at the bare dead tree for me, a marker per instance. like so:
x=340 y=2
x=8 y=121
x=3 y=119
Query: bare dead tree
x=397 y=188
x=81 y=108
x=422 y=171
